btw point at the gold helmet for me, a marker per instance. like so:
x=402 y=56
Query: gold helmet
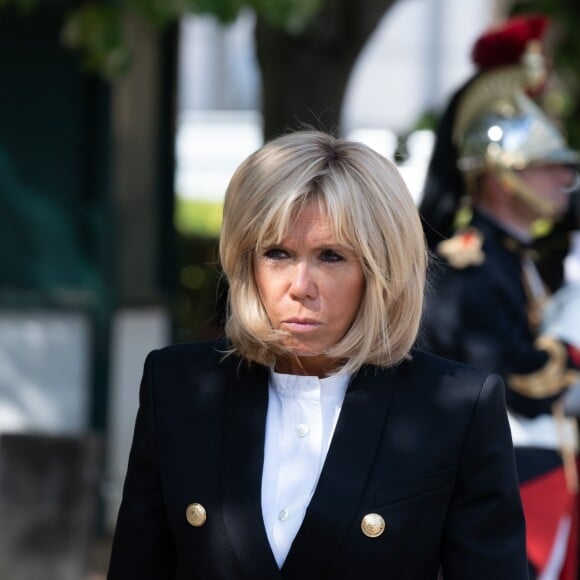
x=499 y=127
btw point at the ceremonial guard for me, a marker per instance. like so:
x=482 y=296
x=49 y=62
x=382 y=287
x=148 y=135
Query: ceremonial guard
x=513 y=170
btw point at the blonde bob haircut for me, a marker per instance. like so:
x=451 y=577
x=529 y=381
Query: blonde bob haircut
x=372 y=214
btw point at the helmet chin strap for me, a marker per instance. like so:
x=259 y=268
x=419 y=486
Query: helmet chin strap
x=519 y=188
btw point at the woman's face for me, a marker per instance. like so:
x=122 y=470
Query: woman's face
x=311 y=287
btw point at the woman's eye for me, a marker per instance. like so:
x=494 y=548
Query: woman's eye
x=331 y=256
x=274 y=254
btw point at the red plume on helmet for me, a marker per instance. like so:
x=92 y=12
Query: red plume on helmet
x=506 y=44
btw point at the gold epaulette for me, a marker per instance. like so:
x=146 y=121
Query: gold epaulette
x=463 y=249
x=552 y=378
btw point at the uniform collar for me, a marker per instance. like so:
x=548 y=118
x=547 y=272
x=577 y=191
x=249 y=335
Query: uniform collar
x=504 y=236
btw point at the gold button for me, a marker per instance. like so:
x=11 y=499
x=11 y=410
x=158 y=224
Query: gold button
x=196 y=514
x=372 y=525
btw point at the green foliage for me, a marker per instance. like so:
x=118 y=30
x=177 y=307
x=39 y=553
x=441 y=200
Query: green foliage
x=200 y=218
x=225 y=10
x=200 y=299
x=293 y=15
x=427 y=120
x=95 y=29
x=23 y=6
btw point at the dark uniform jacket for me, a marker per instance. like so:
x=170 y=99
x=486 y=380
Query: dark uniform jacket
x=425 y=445
x=478 y=314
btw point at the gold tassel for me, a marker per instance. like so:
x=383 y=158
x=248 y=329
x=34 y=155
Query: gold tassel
x=566 y=449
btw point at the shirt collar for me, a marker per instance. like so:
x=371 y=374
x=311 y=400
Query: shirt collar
x=310 y=387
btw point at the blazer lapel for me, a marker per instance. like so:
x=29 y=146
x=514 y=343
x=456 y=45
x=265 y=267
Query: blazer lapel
x=344 y=475
x=245 y=423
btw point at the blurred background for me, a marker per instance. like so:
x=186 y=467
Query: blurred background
x=120 y=125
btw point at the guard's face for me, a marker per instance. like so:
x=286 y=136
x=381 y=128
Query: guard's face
x=552 y=183
x=311 y=287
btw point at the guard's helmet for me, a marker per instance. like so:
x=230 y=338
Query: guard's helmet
x=492 y=121
x=499 y=127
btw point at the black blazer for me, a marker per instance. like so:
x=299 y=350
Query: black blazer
x=425 y=444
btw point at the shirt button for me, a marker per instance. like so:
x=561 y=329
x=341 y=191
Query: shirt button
x=283 y=515
x=302 y=429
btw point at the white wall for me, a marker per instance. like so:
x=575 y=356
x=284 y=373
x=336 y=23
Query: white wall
x=45 y=368
x=418 y=55
x=135 y=332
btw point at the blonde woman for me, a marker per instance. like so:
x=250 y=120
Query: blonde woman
x=313 y=441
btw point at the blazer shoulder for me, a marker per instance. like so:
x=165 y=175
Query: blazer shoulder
x=194 y=359
x=451 y=372
x=422 y=358
x=454 y=392
x=205 y=353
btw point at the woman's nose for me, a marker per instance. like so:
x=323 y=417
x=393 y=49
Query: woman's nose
x=302 y=284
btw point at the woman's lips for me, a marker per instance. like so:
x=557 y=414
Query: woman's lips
x=301 y=324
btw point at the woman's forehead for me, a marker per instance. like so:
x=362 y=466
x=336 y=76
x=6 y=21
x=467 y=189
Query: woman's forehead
x=312 y=223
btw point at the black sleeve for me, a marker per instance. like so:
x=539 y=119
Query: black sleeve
x=484 y=535
x=143 y=545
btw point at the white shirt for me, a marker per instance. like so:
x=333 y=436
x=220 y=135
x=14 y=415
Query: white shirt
x=302 y=415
